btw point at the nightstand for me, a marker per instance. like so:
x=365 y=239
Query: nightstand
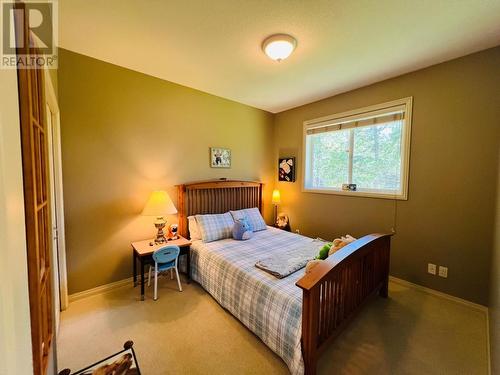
x=142 y=251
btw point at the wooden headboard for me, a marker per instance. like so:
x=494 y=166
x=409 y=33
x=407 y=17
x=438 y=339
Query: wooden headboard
x=215 y=197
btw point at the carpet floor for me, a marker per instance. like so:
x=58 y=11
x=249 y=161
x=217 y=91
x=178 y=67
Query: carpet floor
x=411 y=332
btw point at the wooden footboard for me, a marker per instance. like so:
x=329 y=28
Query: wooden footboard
x=336 y=288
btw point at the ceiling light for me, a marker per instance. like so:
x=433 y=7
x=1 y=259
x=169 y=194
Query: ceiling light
x=279 y=46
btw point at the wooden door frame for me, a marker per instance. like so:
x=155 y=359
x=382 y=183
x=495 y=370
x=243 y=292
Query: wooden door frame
x=55 y=140
x=32 y=107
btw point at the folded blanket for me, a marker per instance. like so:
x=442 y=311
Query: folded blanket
x=287 y=261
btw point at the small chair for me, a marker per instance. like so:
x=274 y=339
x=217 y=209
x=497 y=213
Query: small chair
x=165 y=259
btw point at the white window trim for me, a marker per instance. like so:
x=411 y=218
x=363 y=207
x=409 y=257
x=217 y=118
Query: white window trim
x=405 y=150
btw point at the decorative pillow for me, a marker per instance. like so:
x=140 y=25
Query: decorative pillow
x=253 y=217
x=215 y=226
x=242 y=230
x=194 y=231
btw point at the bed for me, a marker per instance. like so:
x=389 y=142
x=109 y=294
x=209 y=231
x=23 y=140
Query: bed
x=296 y=316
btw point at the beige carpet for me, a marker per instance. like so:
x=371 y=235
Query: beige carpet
x=189 y=333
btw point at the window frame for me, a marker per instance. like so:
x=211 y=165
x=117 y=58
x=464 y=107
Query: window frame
x=407 y=103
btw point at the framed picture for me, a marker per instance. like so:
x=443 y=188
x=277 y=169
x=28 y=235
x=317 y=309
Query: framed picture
x=220 y=157
x=124 y=363
x=286 y=169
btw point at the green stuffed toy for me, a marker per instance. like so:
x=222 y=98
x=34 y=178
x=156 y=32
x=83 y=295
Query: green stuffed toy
x=323 y=252
x=329 y=249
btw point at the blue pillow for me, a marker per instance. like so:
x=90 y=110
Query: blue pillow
x=242 y=230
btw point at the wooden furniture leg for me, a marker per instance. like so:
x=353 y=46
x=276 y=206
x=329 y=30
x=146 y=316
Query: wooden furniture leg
x=142 y=279
x=309 y=329
x=188 y=266
x=384 y=289
x=134 y=266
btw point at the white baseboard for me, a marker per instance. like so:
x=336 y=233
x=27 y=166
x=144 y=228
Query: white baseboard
x=100 y=289
x=118 y=284
x=488 y=342
x=424 y=289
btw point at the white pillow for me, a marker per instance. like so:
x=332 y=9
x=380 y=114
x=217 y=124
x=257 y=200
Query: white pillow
x=194 y=231
x=253 y=216
x=215 y=227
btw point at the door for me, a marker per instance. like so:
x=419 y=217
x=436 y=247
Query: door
x=56 y=197
x=36 y=199
x=53 y=214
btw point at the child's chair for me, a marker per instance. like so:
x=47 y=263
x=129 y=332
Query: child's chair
x=165 y=259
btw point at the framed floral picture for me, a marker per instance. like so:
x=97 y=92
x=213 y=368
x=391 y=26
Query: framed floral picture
x=286 y=169
x=220 y=157
x=123 y=363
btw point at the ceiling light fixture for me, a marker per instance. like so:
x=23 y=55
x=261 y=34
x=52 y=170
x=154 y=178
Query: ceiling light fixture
x=279 y=46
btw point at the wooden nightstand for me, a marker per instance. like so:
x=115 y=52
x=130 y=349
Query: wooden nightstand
x=143 y=251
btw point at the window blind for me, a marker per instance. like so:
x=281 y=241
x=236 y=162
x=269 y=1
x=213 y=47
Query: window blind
x=367 y=119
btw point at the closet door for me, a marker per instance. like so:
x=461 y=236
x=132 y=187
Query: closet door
x=36 y=196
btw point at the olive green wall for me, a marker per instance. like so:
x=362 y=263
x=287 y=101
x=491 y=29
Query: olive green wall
x=448 y=218
x=125 y=134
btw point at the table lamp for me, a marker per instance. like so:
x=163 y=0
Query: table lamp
x=159 y=204
x=276 y=200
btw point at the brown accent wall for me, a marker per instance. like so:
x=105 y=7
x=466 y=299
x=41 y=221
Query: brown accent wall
x=448 y=218
x=125 y=134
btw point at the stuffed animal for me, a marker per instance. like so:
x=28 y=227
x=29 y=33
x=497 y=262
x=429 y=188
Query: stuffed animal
x=311 y=264
x=339 y=243
x=172 y=232
x=283 y=222
x=323 y=252
x=328 y=249
x=242 y=229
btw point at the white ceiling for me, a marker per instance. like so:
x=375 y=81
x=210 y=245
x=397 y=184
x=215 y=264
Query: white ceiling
x=215 y=45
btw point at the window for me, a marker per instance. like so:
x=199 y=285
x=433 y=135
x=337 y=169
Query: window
x=368 y=147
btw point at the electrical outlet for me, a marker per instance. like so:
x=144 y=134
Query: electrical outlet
x=431 y=268
x=297 y=231
x=443 y=271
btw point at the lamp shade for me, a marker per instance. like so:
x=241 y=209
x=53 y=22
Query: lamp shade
x=159 y=204
x=276 y=196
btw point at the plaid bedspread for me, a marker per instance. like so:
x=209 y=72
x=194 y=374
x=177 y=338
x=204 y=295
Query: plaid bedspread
x=271 y=308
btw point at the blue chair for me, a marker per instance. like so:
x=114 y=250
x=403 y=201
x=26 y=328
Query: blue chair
x=165 y=259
